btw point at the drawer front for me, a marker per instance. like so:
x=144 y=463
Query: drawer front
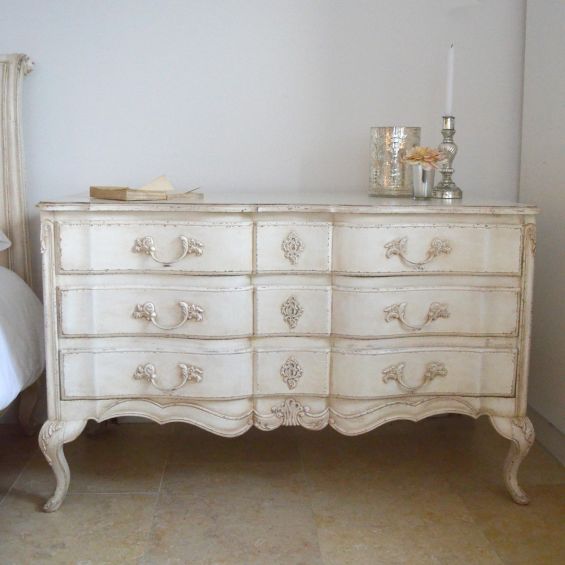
x=186 y=312
x=145 y=374
x=293 y=311
x=150 y=246
x=292 y=372
x=470 y=372
x=290 y=246
x=427 y=248
x=425 y=311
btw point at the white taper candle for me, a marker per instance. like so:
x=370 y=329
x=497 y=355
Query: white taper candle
x=449 y=83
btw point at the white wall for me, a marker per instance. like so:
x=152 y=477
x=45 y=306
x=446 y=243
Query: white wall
x=543 y=182
x=260 y=94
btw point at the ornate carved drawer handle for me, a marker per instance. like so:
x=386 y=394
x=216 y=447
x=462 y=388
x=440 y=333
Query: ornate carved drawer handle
x=148 y=312
x=398 y=312
x=399 y=246
x=190 y=246
x=396 y=373
x=188 y=373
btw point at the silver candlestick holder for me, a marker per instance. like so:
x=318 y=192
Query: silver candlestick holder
x=446 y=188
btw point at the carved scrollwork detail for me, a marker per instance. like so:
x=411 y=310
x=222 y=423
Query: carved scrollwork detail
x=190 y=246
x=148 y=311
x=188 y=373
x=525 y=429
x=45 y=237
x=291 y=372
x=292 y=247
x=46 y=434
x=398 y=312
x=530 y=234
x=291 y=311
x=293 y=413
x=395 y=372
x=398 y=247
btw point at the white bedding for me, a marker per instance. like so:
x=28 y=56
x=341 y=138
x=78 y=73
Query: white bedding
x=22 y=356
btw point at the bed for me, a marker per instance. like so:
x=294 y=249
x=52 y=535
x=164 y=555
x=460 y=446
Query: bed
x=21 y=318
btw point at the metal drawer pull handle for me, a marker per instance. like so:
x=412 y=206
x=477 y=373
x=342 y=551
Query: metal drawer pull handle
x=396 y=373
x=398 y=247
x=190 y=246
x=398 y=312
x=189 y=374
x=148 y=312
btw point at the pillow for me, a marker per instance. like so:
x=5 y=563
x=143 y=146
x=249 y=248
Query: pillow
x=4 y=241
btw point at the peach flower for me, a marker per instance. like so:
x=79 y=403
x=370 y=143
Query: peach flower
x=428 y=157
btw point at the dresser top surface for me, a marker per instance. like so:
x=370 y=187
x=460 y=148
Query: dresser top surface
x=352 y=201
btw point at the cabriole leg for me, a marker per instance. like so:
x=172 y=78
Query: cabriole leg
x=53 y=435
x=520 y=432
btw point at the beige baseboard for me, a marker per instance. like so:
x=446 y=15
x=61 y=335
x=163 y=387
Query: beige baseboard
x=548 y=435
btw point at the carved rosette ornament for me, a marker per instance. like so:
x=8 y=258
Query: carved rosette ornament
x=292 y=247
x=291 y=311
x=291 y=372
x=395 y=373
x=398 y=312
x=398 y=247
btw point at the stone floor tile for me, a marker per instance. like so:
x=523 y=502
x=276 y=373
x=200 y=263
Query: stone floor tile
x=533 y=534
x=90 y=528
x=16 y=449
x=231 y=530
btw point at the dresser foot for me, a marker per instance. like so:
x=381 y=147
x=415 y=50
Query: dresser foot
x=520 y=432
x=53 y=435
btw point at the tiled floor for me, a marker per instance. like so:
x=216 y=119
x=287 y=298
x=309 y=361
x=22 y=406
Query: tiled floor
x=406 y=493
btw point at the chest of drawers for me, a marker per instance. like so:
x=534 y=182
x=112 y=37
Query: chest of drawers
x=335 y=310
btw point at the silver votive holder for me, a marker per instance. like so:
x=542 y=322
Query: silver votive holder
x=389 y=175
x=446 y=188
x=422 y=182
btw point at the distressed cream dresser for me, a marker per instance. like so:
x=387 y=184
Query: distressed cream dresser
x=268 y=311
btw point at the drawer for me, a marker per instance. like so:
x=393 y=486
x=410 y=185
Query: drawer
x=183 y=312
x=156 y=246
x=417 y=248
x=360 y=312
x=292 y=246
x=292 y=311
x=432 y=371
x=292 y=371
x=145 y=374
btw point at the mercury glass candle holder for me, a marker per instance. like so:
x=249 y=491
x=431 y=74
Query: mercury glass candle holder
x=390 y=176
